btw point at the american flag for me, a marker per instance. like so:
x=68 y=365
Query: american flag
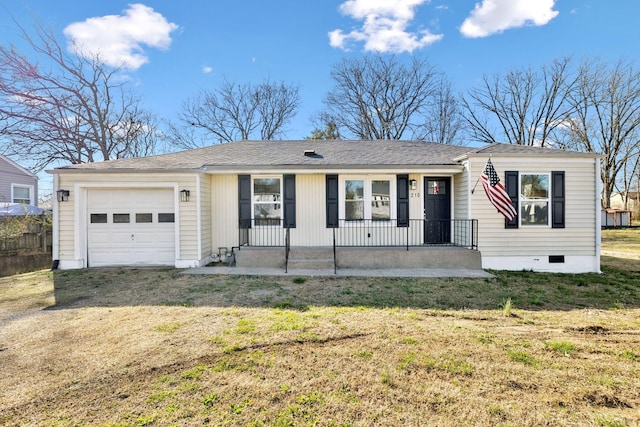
x=496 y=192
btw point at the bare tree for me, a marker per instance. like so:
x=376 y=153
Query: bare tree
x=59 y=107
x=445 y=119
x=522 y=107
x=378 y=97
x=606 y=118
x=237 y=112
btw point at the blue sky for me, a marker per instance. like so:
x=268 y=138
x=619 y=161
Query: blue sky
x=175 y=48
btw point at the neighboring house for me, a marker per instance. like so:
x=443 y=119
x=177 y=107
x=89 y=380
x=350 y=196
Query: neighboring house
x=373 y=204
x=633 y=200
x=17 y=185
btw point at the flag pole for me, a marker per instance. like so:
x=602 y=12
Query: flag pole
x=474 y=187
x=478 y=180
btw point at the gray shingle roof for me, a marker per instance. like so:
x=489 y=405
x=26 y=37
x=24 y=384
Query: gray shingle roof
x=320 y=154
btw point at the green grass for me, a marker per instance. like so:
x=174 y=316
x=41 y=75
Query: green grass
x=562 y=347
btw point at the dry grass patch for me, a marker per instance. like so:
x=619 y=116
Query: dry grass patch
x=118 y=347
x=621 y=243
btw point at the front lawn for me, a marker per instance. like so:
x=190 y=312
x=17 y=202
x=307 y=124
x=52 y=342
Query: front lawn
x=119 y=347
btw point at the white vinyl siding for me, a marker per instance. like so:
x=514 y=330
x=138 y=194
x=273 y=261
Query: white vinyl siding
x=578 y=236
x=460 y=183
x=311 y=212
x=224 y=211
x=416 y=203
x=205 y=216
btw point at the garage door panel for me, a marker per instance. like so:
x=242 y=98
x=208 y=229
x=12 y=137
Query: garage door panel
x=141 y=241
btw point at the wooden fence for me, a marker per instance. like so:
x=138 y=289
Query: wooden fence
x=25 y=243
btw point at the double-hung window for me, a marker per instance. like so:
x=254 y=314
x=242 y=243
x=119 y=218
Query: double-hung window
x=22 y=194
x=534 y=199
x=538 y=197
x=367 y=198
x=267 y=200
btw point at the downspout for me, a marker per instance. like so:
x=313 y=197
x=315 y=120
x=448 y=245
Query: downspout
x=598 y=206
x=199 y=217
x=467 y=168
x=55 y=231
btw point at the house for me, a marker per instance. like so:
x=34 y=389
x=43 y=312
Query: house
x=17 y=185
x=367 y=204
x=617 y=201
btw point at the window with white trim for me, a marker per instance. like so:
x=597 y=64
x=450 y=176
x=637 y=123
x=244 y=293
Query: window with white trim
x=534 y=199
x=367 y=198
x=22 y=194
x=266 y=196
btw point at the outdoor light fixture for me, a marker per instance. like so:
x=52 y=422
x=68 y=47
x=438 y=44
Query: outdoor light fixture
x=184 y=195
x=413 y=184
x=62 y=195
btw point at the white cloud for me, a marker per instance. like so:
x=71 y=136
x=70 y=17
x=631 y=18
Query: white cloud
x=495 y=16
x=385 y=26
x=119 y=39
x=207 y=69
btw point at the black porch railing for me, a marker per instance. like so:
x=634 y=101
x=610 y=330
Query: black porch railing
x=368 y=233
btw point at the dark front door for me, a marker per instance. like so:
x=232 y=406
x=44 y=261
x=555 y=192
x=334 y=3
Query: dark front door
x=437 y=210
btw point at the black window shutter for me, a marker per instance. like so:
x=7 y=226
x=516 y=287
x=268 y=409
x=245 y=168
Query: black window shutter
x=289 y=201
x=402 y=192
x=244 y=201
x=511 y=185
x=332 y=201
x=557 y=199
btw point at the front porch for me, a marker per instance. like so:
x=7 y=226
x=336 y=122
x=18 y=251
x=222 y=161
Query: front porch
x=362 y=245
x=364 y=258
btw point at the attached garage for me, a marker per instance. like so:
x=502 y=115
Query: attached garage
x=132 y=226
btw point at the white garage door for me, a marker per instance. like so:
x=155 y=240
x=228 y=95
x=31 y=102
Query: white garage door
x=130 y=227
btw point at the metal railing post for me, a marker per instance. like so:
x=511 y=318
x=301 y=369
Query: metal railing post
x=335 y=267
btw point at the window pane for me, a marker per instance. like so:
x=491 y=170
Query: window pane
x=354 y=189
x=267 y=206
x=21 y=195
x=267 y=210
x=535 y=186
x=380 y=200
x=121 y=218
x=144 y=217
x=21 y=192
x=436 y=187
x=354 y=210
x=266 y=190
x=534 y=213
x=166 y=217
x=100 y=218
x=354 y=199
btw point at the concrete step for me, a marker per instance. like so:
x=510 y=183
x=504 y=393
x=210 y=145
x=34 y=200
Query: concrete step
x=310 y=258
x=311 y=264
x=311 y=253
